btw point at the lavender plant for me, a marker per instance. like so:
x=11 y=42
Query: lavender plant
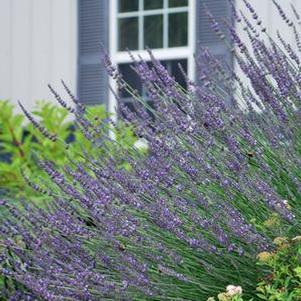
x=221 y=181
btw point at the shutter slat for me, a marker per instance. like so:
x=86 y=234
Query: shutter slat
x=221 y=11
x=93 y=25
x=206 y=37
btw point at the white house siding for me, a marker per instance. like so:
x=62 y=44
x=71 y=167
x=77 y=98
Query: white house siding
x=271 y=19
x=268 y=13
x=38 y=46
x=270 y=16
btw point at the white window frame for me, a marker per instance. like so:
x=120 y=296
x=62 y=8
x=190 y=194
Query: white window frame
x=119 y=57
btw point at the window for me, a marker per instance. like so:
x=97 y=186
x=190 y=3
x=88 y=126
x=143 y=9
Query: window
x=152 y=23
x=165 y=26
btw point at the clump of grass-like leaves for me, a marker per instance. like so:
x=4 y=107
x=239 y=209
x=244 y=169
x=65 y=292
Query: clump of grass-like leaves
x=220 y=182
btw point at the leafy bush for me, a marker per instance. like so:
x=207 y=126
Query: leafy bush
x=281 y=278
x=21 y=144
x=219 y=184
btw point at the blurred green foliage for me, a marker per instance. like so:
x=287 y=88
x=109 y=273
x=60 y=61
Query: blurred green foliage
x=280 y=276
x=282 y=279
x=21 y=144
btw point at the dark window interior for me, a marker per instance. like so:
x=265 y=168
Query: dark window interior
x=134 y=81
x=128 y=33
x=177 y=29
x=128 y=5
x=153 y=4
x=177 y=3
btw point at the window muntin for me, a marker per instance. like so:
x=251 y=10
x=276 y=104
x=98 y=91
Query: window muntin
x=133 y=5
x=159 y=16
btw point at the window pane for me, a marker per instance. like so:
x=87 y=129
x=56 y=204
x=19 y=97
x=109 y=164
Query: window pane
x=128 y=5
x=177 y=3
x=177 y=29
x=153 y=4
x=131 y=77
x=153 y=31
x=128 y=33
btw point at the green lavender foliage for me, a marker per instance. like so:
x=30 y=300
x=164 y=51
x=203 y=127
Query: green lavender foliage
x=20 y=142
x=204 y=272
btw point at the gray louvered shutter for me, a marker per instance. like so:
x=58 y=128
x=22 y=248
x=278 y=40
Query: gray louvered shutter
x=205 y=36
x=93 y=24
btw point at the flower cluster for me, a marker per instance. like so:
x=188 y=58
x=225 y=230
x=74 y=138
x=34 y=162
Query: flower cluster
x=233 y=293
x=188 y=218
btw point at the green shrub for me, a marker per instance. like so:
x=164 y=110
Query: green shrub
x=282 y=280
x=281 y=274
x=20 y=141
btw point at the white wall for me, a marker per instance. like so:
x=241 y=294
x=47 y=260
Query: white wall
x=271 y=19
x=37 y=46
x=268 y=13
